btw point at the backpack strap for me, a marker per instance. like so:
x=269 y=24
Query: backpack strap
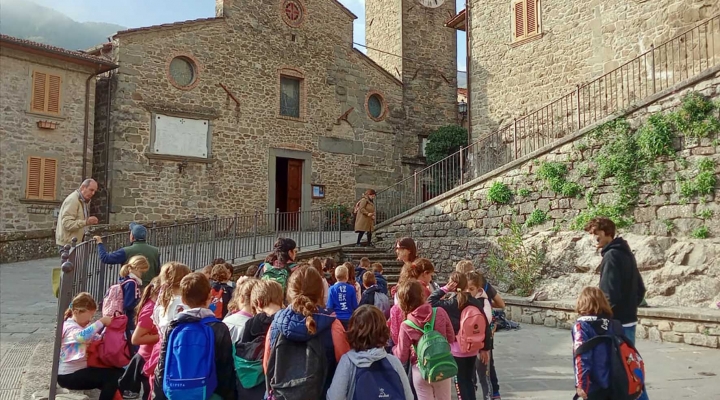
x=413 y=325
x=430 y=325
x=594 y=342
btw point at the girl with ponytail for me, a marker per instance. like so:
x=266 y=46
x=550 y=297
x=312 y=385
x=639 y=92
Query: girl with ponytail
x=305 y=319
x=130 y=282
x=454 y=304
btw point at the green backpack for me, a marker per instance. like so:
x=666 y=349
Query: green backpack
x=279 y=275
x=435 y=361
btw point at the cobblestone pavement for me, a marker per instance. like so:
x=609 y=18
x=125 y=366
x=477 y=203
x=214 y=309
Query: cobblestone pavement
x=535 y=363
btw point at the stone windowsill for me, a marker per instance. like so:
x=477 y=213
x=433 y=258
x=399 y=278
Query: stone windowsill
x=287 y=118
x=41 y=202
x=168 y=157
x=52 y=117
x=527 y=40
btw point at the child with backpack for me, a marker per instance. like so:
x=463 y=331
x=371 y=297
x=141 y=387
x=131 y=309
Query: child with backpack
x=145 y=336
x=377 y=269
x=123 y=296
x=168 y=305
x=267 y=300
x=607 y=365
x=78 y=332
x=196 y=359
x=241 y=309
x=426 y=331
x=360 y=270
x=342 y=299
x=280 y=263
x=373 y=296
x=221 y=291
x=305 y=342
x=472 y=331
x=367 y=371
x=352 y=281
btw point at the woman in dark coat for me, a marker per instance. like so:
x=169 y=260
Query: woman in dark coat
x=365 y=217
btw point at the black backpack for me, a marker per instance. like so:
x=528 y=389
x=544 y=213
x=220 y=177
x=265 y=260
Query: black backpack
x=296 y=370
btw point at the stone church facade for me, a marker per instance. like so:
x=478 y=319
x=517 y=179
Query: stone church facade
x=528 y=53
x=269 y=106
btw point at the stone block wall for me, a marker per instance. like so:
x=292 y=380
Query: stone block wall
x=697 y=328
x=20 y=137
x=579 y=42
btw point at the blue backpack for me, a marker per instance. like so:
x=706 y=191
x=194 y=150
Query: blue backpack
x=190 y=361
x=378 y=381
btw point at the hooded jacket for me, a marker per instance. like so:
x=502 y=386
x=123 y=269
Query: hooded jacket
x=368 y=296
x=409 y=337
x=381 y=282
x=592 y=369
x=224 y=363
x=256 y=326
x=620 y=280
x=450 y=305
x=291 y=324
x=363 y=359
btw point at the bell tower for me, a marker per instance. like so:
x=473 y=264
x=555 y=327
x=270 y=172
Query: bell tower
x=409 y=39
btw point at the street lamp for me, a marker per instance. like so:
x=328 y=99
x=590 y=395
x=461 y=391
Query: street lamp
x=462 y=108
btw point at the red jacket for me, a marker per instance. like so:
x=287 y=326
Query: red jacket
x=409 y=337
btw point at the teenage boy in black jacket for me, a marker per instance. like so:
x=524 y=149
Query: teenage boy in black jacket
x=195 y=288
x=620 y=279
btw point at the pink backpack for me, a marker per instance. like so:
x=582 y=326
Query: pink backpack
x=113 y=350
x=113 y=301
x=473 y=324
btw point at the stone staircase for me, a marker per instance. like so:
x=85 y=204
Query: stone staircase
x=386 y=257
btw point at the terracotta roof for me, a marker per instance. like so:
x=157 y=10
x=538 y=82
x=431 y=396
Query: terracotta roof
x=462 y=91
x=457 y=22
x=170 y=25
x=78 y=57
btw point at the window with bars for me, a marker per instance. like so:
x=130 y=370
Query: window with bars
x=41 y=180
x=525 y=19
x=46 y=90
x=290 y=96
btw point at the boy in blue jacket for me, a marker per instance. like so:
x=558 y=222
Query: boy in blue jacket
x=342 y=298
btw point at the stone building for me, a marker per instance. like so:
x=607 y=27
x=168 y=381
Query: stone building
x=46 y=116
x=268 y=106
x=527 y=53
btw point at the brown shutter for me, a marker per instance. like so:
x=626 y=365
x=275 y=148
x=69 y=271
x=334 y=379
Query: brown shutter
x=38 y=92
x=34 y=176
x=531 y=16
x=53 y=102
x=49 y=178
x=519 y=20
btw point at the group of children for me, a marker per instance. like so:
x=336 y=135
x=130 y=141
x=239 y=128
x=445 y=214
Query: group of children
x=299 y=331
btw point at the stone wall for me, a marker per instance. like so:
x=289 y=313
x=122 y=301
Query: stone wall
x=579 y=42
x=697 y=328
x=21 y=137
x=464 y=223
x=347 y=155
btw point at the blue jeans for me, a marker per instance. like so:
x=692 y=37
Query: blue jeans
x=630 y=333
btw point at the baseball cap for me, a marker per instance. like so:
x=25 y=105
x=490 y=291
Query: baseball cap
x=138 y=231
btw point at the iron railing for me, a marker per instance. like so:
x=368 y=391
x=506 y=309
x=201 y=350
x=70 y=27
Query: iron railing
x=660 y=68
x=195 y=244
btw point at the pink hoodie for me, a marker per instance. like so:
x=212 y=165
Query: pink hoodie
x=409 y=337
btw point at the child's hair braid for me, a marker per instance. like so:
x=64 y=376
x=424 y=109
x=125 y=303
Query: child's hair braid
x=170 y=275
x=305 y=291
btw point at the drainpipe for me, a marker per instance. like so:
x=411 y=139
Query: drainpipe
x=108 y=197
x=86 y=130
x=468 y=62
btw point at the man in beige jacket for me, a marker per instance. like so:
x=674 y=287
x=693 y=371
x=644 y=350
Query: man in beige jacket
x=74 y=214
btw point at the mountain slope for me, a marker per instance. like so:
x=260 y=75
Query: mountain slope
x=27 y=20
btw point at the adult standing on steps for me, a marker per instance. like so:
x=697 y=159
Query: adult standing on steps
x=74 y=214
x=365 y=216
x=138 y=246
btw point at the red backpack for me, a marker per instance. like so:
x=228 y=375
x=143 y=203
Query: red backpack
x=113 y=349
x=627 y=368
x=217 y=305
x=473 y=328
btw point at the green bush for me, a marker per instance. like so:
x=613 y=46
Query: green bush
x=524 y=192
x=701 y=233
x=705 y=214
x=554 y=174
x=703 y=183
x=615 y=213
x=655 y=137
x=345 y=215
x=695 y=118
x=537 y=217
x=516 y=264
x=445 y=141
x=499 y=193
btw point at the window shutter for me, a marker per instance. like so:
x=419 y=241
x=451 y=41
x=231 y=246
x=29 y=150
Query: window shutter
x=531 y=17
x=53 y=102
x=519 y=23
x=34 y=172
x=38 y=92
x=49 y=178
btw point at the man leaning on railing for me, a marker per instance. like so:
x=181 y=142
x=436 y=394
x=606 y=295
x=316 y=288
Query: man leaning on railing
x=74 y=214
x=138 y=246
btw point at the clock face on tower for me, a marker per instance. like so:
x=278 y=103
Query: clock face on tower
x=431 y=3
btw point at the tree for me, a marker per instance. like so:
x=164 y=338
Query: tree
x=445 y=141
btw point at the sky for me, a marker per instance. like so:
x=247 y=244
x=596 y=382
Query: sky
x=156 y=12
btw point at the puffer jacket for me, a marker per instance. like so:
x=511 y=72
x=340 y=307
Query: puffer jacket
x=291 y=324
x=592 y=369
x=224 y=363
x=450 y=305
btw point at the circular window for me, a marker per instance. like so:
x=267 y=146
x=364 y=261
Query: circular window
x=376 y=106
x=293 y=13
x=182 y=71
